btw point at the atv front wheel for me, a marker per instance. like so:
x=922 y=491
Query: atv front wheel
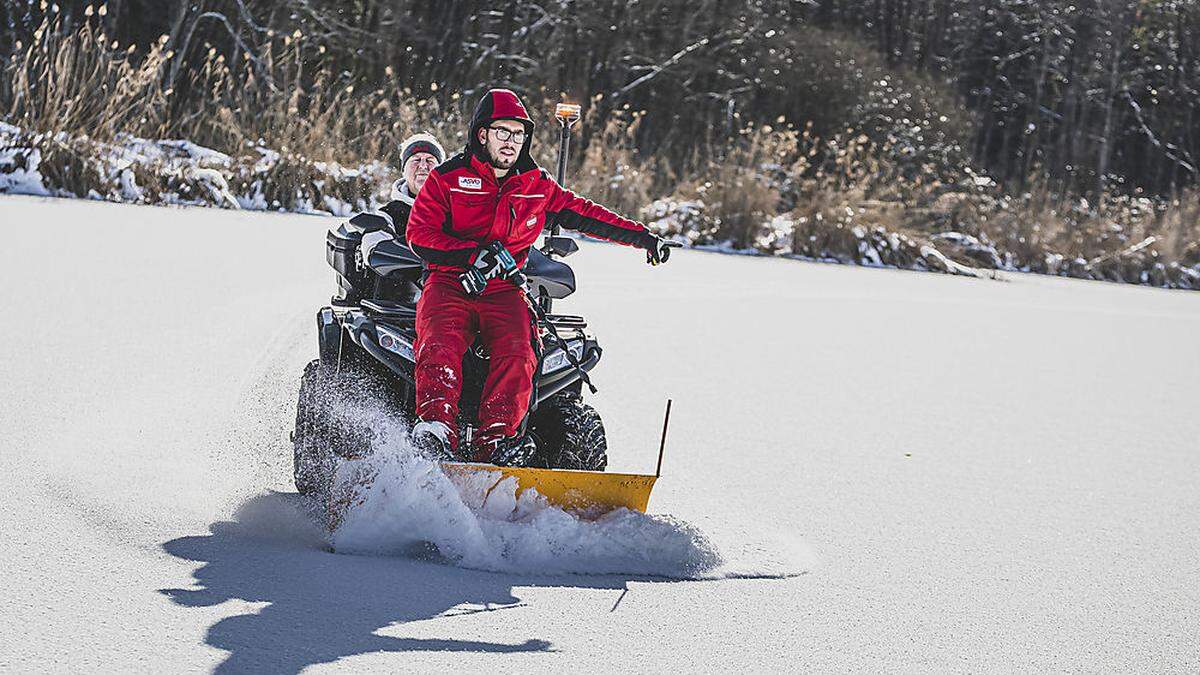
x=327 y=427
x=569 y=434
x=308 y=449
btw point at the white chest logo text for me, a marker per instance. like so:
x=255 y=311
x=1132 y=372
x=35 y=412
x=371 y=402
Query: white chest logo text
x=472 y=183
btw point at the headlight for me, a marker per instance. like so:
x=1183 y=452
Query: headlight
x=557 y=359
x=394 y=343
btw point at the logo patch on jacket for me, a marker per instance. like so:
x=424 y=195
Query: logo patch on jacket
x=531 y=222
x=473 y=183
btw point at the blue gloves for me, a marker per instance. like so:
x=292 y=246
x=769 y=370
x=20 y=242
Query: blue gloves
x=490 y=261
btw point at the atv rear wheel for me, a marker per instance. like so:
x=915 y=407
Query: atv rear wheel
x=569 y=434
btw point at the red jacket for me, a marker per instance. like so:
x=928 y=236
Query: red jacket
x=462 y=206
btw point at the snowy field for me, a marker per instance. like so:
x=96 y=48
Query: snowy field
x=900 y=471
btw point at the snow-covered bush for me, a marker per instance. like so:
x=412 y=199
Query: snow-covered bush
x=138 y=170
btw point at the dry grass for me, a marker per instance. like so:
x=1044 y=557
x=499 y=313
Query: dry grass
x=850 y=199
x=83 y=84
x=319 y=115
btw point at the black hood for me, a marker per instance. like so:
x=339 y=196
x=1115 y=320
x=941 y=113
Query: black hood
x=501 y=104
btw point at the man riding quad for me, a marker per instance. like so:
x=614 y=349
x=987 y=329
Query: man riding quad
x=473 y=223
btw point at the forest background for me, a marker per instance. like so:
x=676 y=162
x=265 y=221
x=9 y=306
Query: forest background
x=1050 y=136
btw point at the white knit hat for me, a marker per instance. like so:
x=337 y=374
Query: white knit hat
x=421 y=142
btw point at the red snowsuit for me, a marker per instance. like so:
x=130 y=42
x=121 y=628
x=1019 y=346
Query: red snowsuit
x=462 y=207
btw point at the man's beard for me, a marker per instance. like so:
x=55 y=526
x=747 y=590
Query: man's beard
x=501 y=162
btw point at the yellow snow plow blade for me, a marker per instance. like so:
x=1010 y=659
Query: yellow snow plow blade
x=591 y=492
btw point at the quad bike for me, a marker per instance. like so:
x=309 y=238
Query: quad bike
x=365 y=353
x=365 y=340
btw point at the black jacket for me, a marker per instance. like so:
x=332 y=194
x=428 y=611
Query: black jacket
x=397 y=211
x=392 y=218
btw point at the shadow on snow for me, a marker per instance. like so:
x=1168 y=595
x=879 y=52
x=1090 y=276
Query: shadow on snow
x=322 y=606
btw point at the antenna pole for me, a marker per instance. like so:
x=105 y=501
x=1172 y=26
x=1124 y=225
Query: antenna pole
x=568 y=115
x=663 y=443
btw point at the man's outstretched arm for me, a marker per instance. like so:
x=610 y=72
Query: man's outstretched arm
x=583 y=215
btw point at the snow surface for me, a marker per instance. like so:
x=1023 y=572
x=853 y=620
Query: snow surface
x=975 y=475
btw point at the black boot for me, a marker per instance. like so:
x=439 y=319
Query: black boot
x=512 y=451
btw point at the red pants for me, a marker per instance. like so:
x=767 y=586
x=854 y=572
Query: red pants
x=447 y=322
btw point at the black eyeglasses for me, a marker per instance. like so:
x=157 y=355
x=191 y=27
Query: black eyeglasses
x=503 y=134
